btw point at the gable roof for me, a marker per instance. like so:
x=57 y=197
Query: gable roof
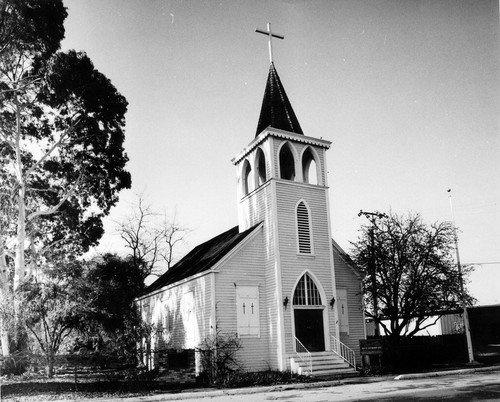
x=348 y=260
x=276 y=110
x=200 y=259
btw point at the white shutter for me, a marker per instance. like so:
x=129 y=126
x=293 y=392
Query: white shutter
x=303 y=229
x=189 y=319
x=247 y=310
x=342 y=310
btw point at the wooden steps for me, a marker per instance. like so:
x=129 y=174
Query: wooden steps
x=324 y=364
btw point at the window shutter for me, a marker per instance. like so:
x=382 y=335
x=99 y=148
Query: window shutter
x=303 y=229
x=247 y=310
x=342 y=310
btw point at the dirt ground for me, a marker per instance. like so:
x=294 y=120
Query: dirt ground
x=38 y=388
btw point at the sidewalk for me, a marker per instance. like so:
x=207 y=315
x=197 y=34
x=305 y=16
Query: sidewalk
x=213 y=393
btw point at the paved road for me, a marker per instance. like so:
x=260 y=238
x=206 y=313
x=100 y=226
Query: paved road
x=465 y=385
x=470 y=387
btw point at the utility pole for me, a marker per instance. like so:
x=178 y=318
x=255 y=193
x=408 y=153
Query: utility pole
x=372 y=216
x=470 y=351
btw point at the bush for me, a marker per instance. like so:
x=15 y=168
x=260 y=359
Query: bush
x=15 y=364
x=218 y=358
x=268 y=377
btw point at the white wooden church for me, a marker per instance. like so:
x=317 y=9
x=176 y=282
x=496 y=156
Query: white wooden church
x=277 y=280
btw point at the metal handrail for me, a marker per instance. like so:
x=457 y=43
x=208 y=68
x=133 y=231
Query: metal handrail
x=342 y=350
x=300 y=351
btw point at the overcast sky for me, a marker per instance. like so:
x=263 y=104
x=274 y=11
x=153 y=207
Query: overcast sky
x=407 y=91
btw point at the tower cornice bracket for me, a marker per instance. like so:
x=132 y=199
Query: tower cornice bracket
x=273 y=132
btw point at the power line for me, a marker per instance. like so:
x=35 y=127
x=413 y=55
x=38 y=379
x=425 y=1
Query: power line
x=482 y=263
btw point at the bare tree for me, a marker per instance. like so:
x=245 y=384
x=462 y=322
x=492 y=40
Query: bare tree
x=408 y=265
x=152 y=238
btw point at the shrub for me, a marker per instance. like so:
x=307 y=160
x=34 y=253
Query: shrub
x=218 y=358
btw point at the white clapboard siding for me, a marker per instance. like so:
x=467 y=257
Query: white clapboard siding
x=256 y=207
x=346 y=278
x=294 y=264
x=185 y=318
x=246 y=268
x=297 y=150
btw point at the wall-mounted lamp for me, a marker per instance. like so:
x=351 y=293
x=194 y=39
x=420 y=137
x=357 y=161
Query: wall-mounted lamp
x=285 y=301
x=332 y=302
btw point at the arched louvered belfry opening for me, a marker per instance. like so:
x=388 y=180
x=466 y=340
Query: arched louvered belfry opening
x=308 y=308
x=309 y=167
x=261 y=167
x=304 y=237
x=287 y=163
x=247 y=178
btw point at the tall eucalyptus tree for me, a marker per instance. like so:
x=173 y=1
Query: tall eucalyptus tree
x=61 y=142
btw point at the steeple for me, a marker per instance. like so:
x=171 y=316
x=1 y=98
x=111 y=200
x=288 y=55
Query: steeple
x=276 y=109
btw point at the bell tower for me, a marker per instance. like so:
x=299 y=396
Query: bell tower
x=282 y=182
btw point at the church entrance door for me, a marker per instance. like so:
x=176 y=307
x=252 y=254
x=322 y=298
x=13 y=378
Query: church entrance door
x=308 y=312
x=309 y=329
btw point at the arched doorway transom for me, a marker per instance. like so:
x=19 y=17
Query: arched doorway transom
x=308 y=309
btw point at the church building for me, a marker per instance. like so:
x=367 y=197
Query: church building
x=277 y=281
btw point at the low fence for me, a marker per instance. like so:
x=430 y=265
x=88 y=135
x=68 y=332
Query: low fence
x=73 y=363
x=418 y=352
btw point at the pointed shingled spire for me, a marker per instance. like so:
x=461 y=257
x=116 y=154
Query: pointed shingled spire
x=276 y=109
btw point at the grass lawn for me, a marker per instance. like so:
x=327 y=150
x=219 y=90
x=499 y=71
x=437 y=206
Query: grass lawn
x=37 y=388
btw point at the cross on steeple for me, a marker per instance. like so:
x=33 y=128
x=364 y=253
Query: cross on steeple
x=271 y=35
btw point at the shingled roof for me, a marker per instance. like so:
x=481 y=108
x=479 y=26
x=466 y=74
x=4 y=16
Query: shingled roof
x=276 y=109
x=200 y=259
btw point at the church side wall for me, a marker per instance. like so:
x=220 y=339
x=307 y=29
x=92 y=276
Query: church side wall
x=257 y=207
x=319 y=263
x=346 y=279
x=184 y=311
x=246 y=268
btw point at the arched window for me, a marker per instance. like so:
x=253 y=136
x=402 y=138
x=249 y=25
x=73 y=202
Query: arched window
x=261 y=167
x=303 y=229
x=306 y=293
x=287 y=163
x=247 y=179
x=309 y=168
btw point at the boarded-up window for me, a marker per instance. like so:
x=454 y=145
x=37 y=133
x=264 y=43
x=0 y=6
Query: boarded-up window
x=165 y=318
x=247 y=305
x=303 y=229
x=189 y=319
x=342 y=310
x=145 y=309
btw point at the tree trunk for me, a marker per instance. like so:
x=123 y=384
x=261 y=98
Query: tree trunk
x=50 y=364
x=4 y=291
x=20 y=335
x=4 y=337
x=21 y=204
x=19 y=263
